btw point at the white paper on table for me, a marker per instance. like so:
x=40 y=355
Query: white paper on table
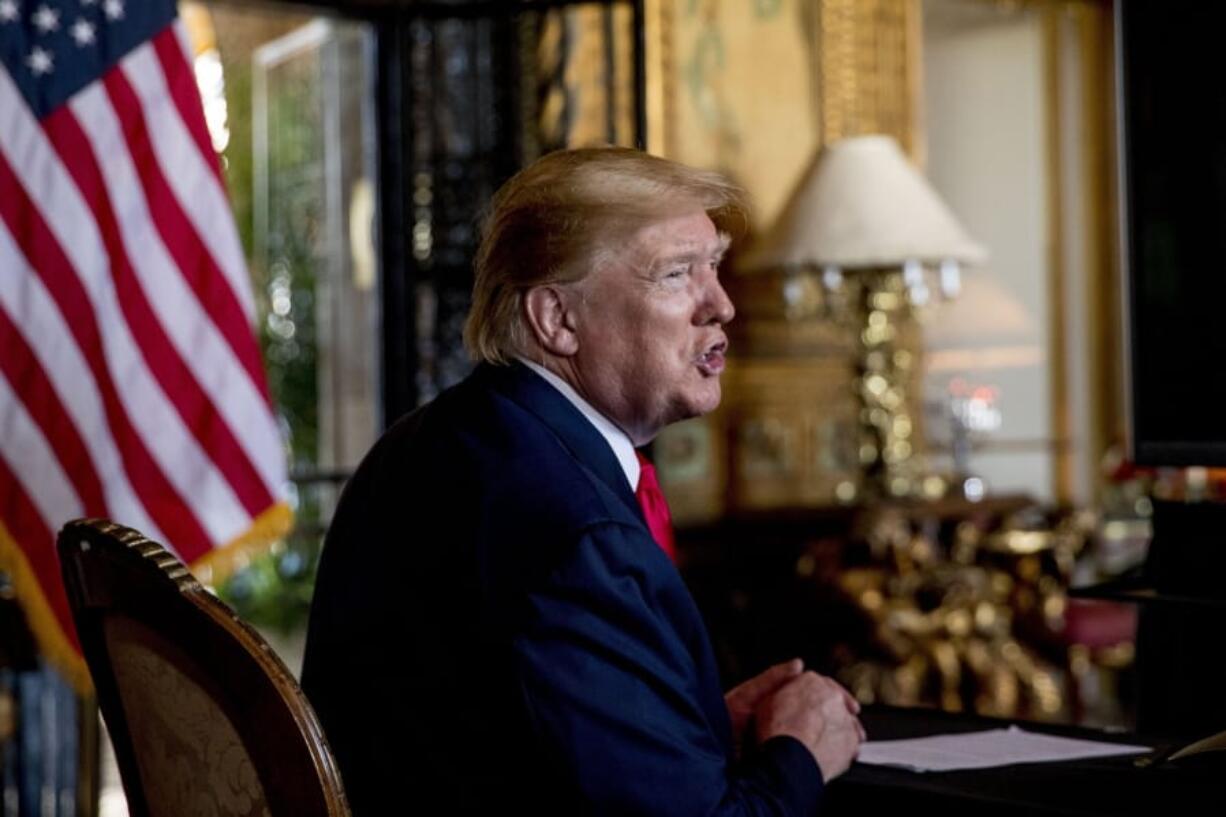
x=985 y=750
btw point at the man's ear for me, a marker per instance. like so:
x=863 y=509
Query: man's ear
x=551 y=321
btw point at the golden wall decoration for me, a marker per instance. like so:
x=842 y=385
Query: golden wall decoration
x=868 y=69
x=730 y=86
x=755 y=88
x=1078 y=39
x=791 y=433
x=583 y=89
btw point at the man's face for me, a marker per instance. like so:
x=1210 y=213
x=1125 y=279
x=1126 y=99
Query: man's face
x=650 y=327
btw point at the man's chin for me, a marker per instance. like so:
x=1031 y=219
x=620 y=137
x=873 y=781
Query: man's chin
x=702 y=400
x=706 y=402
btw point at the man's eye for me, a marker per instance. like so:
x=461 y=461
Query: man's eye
x=676 y=272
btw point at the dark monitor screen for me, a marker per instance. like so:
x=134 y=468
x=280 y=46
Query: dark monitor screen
x=1173 y=117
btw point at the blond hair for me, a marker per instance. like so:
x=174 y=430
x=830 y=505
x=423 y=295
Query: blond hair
x=567 y=213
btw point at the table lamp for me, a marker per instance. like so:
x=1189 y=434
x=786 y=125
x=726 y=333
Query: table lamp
x=866 y=230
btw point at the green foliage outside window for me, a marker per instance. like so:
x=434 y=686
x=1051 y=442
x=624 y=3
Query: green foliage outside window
x=274 y=591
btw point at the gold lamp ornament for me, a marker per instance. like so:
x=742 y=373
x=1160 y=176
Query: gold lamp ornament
x=866 y=230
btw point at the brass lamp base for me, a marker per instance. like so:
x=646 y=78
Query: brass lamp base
x=885 y=363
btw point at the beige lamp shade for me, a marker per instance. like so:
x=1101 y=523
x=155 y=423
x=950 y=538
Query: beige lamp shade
x=861 y=204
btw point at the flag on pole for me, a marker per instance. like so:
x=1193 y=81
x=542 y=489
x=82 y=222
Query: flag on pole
x=131 y=384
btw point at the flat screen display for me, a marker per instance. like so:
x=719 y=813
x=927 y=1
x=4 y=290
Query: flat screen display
x=1172 y=85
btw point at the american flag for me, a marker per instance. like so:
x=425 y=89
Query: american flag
x=131 y=385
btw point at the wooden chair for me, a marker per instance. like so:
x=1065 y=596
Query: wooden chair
x=204 y=717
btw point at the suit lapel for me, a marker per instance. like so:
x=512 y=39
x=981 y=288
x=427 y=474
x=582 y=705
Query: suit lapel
x=576 y=433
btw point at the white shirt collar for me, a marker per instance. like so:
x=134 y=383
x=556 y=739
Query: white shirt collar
x=623 y=449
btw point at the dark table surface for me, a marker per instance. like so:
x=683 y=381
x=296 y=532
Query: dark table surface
x=1103 y=786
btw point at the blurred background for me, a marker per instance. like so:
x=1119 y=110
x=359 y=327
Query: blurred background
x=921 y=446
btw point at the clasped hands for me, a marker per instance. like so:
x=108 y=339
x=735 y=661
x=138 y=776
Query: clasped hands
x=787 y=700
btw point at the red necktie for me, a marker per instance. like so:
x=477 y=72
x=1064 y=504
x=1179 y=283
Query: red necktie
x=655 y=507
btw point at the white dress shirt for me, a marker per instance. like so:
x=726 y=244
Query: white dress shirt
x=623 y=449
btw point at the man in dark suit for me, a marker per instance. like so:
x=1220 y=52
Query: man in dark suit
x=497 y=626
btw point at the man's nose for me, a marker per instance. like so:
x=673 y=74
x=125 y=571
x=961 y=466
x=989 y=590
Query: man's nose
x=718 y=306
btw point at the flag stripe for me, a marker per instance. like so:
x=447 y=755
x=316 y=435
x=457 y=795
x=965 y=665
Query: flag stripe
x=34 y=463
x=34 y=538
x=182 y=169
x=46 y=256
x=181 y=418
x=51 y=342
x=236 y=387
x=175 y=54
x=32 y=388
x=197 y=187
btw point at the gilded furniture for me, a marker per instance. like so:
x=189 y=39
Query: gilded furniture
x=204 y=718
x=950 y=603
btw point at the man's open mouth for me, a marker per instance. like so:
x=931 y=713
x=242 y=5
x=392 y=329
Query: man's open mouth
x=711 y=362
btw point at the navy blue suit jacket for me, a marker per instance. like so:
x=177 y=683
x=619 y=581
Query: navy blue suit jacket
x=495 y=631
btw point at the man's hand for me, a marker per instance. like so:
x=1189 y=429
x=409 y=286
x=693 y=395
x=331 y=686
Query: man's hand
x=743 y=700
x=820 y=714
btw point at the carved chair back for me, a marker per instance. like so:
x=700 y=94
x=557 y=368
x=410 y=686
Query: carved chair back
x=204 y=718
